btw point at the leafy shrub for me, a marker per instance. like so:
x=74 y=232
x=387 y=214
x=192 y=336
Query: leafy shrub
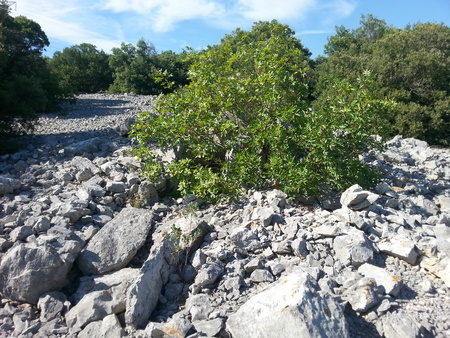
x=244 y=121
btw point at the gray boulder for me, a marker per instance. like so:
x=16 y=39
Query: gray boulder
x=353 y=248
x=291 y=307
x=8 y=185
x=28 y=270
x=144 y=292
x=117 y=242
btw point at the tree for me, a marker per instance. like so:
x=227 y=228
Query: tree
x=140 y=69
x=244 y=121
x=83 y=68
x=411 y=66
x=27 y=86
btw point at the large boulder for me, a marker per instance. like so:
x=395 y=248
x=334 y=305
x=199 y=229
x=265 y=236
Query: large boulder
x=28 y=270
x=291 y=307
x=115 y=245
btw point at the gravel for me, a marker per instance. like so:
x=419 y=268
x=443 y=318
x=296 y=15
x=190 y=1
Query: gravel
x=93 y=115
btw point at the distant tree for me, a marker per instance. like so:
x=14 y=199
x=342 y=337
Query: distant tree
x=140 y=69
x=27 y=85
x=411 y=66
x=83 y=67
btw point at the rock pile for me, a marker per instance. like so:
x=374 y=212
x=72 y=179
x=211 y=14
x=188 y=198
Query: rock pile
x=88 y=248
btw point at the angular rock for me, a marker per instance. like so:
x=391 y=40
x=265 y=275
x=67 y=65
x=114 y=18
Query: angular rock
x=398 y=325
x=28 y=270
x=208 y=274
x=363 y=294
x=289 y=308
x=245 y=238
x=174 y=328
x=199 y=306
x=444 y=203
x=108 y=327
x=353 y=248
x=8 y=185
x=52 y=305
x=263 y=214
x=89 y=284
x=117 y=242
x=144 y=293
x=210 y=328
x=97 y=305
x=89 y=146
x=20 y=233
x=401 y=247
x=356 y=198
x=391 y=283
x=74 y=210
x=439 y=267
x=261 y=275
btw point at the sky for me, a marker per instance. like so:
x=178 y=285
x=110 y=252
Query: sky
x=177 y=24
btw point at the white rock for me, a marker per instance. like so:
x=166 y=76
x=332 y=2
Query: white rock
x=392 y=284
x=289 y=308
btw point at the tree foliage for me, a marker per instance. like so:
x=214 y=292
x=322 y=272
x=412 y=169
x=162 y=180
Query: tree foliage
x=140 y=69
x=83 y=68
x=27 y=85
x=244 y=121
x=412 y=66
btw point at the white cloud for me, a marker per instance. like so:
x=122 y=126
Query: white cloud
x=106 y=23
x=164 y=14
x=71 y=22
x=280 y=10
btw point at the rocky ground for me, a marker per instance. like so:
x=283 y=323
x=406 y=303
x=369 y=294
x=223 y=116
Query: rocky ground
x=88 y=248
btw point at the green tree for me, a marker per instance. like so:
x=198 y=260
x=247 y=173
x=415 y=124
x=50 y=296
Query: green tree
x=83 y=67
x=140 y=69
x=411 y=66
x=27 y=85
x=244 y=121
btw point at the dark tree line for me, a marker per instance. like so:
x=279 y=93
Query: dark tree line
x=27 y=85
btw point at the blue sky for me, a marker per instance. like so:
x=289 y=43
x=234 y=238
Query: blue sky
x=176 y=24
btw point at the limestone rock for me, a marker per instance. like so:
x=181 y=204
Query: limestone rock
x=96 y=306
x=174 y=328
x=353 y=248
x=108 y=327
x=356 y=198
x=401 y=247
x=8 y=185
x=210 y=328
x=199 y=306
x=117 y=242
x=144 y=293
x=392 y=284
x=398 y=325
x=289 y=308
x=28 y=270
x=363 y=294
x=52 y=305
x=439 y=267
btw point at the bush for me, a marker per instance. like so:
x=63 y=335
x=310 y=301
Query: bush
x=244 y=121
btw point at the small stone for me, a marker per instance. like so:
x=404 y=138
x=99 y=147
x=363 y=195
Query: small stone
x=392 y=284
x=261 y=275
